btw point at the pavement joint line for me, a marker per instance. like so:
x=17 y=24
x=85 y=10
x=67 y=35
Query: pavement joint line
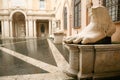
x=37 y=63
x=60 y=60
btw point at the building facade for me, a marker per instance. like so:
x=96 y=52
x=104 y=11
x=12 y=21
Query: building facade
x=78 y=15
x=37 y=18
x=26 y=18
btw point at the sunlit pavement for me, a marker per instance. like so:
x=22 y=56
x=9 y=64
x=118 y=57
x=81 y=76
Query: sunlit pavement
x=32 y=59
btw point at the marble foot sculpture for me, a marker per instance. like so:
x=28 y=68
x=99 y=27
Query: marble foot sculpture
x=99 y=28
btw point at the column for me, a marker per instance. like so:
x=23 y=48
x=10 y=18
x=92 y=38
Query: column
x=6 y=28
x=35 y=28
x=27 y=28
x=11 y=31
x=50 y=28
x=3 y=33
x=53 y=27
x=73 y=68
x=30 y=30
x=70 y=25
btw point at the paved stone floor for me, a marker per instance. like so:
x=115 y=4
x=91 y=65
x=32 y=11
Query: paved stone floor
x=33 y=59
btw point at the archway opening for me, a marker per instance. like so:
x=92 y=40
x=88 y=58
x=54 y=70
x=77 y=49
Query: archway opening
x=42 y=28
x=18 y=25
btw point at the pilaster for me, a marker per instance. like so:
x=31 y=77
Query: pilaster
x=11 y=30
x=50 y=28
x=34 y=22
x=27 y=28
x=3 y=30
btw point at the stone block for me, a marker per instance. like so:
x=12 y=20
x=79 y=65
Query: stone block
x=58 y=38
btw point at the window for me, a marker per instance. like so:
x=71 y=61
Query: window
x=113 y=7
x=42 y=4
x=65 y=18
x=77 y=13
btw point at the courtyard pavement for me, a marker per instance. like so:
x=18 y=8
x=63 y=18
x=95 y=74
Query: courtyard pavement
x=33 y=59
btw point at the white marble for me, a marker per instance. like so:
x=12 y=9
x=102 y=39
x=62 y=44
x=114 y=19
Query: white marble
x=100 y=26
x=60 y=60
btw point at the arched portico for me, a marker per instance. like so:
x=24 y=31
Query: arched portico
x=18 y=25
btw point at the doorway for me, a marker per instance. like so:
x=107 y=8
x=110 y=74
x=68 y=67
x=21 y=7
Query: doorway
x=42 y=28
x=18 y=25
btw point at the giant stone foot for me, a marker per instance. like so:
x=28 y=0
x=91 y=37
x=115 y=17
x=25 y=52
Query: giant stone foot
x=100 y=27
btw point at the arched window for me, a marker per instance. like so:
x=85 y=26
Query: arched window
x=77 y=13
x=65 y=18
x=113 y=7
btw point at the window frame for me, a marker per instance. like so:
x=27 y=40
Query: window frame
x=77 y=13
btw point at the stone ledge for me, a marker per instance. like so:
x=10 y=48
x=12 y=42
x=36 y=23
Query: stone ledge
x=94 y=60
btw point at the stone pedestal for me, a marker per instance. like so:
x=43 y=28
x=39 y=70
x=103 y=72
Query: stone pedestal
x=58 y=37
x=73 y=68
x=94 y=62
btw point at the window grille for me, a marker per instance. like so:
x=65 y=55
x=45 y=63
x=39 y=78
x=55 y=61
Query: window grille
x=77 y=13
x=65 y=18
x=113 y=7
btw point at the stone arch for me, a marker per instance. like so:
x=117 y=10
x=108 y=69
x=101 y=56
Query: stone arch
x=13 y=12
x=18 y=24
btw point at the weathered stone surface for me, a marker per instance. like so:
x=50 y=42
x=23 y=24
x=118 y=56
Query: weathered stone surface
x=86 y=61
x=73 y=60
x=94 y=61
x=58 y=37
x=107 y=59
